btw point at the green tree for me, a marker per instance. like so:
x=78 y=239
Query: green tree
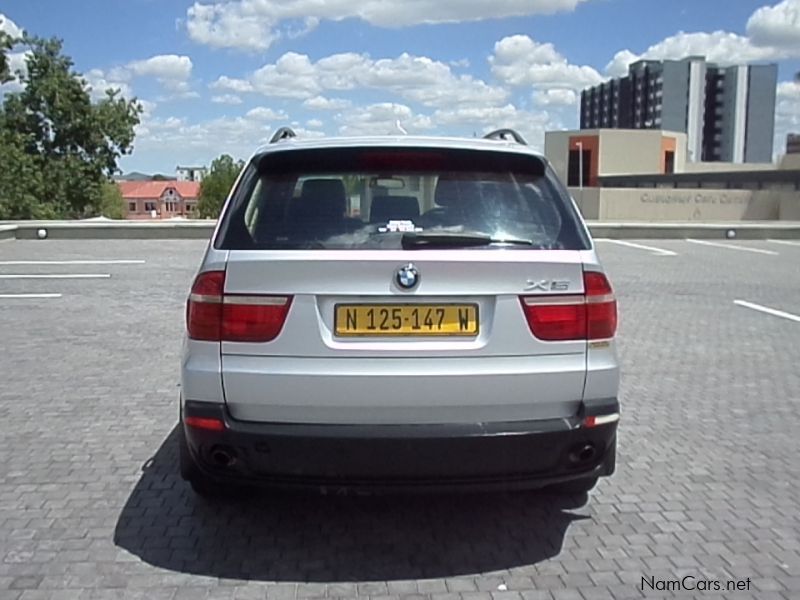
x=112 y=204
x=6 y=43
x=56 y=131
x=217 y=184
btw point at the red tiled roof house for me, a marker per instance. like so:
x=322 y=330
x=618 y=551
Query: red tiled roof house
x=167 y=198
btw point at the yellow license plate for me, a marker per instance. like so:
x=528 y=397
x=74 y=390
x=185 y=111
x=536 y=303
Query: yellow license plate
x=406 y=319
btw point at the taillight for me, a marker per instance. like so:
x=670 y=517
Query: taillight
x=207 y=423
x=588 y=316
x=204 y=308
x=601 y=306
x=253 y=318
x=212 y=315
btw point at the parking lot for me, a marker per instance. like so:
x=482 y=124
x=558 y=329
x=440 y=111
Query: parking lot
x=706 y=485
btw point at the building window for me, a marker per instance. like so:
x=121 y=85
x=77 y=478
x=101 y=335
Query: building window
x=171 y=206
x=573 y=168
x=669 y=161
x=131 y=206
x=149 y=206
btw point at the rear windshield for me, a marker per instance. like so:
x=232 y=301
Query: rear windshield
x=369 y=198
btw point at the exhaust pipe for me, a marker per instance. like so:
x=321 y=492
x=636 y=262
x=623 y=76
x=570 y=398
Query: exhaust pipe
x=582 y=453
x=223 y=456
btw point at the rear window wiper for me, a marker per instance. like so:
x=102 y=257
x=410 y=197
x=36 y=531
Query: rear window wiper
x=417 y=241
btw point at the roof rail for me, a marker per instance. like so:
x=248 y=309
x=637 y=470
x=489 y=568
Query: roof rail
x=503 y=134
x=284 y=133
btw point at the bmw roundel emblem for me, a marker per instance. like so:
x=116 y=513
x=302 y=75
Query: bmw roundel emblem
x=407 y=277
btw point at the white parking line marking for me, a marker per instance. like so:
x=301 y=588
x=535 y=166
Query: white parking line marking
x=732 y=247
x=71 y=262
x=766 y=309
x=27 y=296
x=785 y=242
x=57 y=276
x=653 y=249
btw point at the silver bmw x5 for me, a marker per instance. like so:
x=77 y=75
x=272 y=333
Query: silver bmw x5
x=399 y=312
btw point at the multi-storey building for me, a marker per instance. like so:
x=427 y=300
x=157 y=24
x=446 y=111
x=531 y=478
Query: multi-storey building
x=727 y=113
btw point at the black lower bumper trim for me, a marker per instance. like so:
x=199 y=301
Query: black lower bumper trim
x=496 y=455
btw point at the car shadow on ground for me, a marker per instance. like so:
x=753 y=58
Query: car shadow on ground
x=305 y=537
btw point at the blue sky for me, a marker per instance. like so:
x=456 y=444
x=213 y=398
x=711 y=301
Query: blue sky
x=218 y=76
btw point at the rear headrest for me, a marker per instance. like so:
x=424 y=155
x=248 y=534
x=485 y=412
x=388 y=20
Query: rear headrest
x=325 y=196
x=448 y=191
x=398 y=208
x=461 y=192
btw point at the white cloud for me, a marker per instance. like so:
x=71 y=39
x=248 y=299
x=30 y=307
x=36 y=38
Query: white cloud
x=99 y=82
x=292 y=76
x=412 y=78
x=555 y=97
x=164 y=66
x=256 y=24
x=531 y=125
x=16 y=60
x=226 y=99
x=721 y=47
x=304 y=133
x=262 y=113
x=10 y=28
x=618 y=66
x=382 y=119
x=233 y=85
x=315 y=123
x=171 y=70
x=323 y=103
x=519 y=60
x=776 y=26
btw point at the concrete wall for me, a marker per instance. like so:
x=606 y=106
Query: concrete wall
x=709 y=167
x=621 y=151
x=627 y=152
x=588 y=201
x=789 y=209
x=657 y=204
x=789 y=161
x=556 y=149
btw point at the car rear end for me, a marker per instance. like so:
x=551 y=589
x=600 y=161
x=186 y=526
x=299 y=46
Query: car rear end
x=399 y=313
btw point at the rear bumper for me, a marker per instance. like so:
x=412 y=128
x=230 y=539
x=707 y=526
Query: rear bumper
x=388 y=457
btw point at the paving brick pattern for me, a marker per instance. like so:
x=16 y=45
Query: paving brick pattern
x=707 y=482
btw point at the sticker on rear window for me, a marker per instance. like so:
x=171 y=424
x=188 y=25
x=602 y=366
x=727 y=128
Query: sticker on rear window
x=403 y=226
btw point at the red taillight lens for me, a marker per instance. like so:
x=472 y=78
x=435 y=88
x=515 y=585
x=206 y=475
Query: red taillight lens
x=212 y=315
x=207 y=423
x=204 y=308
x=253 y=318
x=601 y=306
x=590 y=316
x=556 y=322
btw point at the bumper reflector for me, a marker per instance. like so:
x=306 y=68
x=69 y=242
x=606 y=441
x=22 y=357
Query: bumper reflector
x=594 y=421
x=207 y=423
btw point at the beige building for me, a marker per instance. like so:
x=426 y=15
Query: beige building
x=600 y=152
x=643 y=175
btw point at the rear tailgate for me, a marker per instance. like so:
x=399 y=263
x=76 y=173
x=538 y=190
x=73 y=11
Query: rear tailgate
x=309 y=372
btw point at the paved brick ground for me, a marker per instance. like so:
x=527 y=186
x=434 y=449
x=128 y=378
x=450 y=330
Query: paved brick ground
x=91 y=507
